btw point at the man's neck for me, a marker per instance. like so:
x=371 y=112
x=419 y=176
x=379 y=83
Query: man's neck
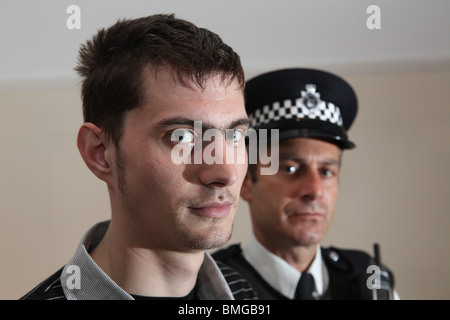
x=144 y=271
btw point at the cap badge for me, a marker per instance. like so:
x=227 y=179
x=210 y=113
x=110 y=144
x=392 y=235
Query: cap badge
x=310 y=97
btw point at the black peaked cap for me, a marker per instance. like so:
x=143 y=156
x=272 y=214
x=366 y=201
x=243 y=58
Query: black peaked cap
x=302 y=103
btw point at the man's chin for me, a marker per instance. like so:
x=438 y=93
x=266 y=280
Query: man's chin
x=215 y=239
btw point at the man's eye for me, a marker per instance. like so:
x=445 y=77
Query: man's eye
x=183 y=136
x=235 y=135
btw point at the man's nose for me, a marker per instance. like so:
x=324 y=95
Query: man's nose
x=216 y=171
x=218 y=175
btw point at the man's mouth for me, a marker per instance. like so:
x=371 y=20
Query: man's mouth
x=218 y=210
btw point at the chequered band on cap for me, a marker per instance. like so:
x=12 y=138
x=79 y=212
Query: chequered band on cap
x=322 y=110
x=302 y=103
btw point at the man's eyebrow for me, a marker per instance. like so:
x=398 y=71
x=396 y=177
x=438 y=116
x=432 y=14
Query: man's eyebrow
x=176 y=122
x=180 y=121
x=245 y=122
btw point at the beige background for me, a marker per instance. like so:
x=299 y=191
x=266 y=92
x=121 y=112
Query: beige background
x=394 y=186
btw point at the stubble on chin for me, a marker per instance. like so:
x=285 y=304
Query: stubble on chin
x=194 y=233
x=214 y=239
x=205 y=233
x=202 y=233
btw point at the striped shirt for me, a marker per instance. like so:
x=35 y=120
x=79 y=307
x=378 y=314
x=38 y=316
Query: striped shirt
x=82 y=279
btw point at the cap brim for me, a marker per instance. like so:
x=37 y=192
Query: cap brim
x=314 y=134
x=313 y=129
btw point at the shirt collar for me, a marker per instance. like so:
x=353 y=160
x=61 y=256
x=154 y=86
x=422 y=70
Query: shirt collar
x=83 y=279
x=280 y=274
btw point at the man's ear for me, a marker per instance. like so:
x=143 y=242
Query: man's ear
x=92 y=144
x=246 y=189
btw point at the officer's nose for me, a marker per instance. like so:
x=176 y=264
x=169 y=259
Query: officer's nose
x=310 y=186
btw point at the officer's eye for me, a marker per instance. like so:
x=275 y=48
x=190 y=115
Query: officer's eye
x=183 y=136
x=235 y=135
x=290 y=169
x=327 y=172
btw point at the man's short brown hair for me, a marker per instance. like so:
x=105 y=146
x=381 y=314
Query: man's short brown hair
x=113 y=62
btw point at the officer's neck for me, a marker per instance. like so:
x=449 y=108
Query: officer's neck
x=298 y=256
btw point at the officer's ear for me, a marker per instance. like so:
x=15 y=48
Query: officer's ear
x=246 y=190
x=92 y=144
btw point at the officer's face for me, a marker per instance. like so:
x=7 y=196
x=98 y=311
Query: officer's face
x=296 y=205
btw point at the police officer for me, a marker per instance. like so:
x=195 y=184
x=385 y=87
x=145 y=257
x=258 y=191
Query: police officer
x=292 y=210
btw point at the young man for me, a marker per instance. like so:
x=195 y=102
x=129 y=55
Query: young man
x=292 y=210
x=146 y=83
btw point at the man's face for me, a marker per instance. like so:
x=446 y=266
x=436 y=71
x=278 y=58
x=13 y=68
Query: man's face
x=165 y=205
x=296 y=205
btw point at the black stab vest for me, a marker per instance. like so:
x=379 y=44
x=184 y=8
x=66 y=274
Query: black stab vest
x=347 y=270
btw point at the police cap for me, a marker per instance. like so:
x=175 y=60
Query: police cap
x=305 y=103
